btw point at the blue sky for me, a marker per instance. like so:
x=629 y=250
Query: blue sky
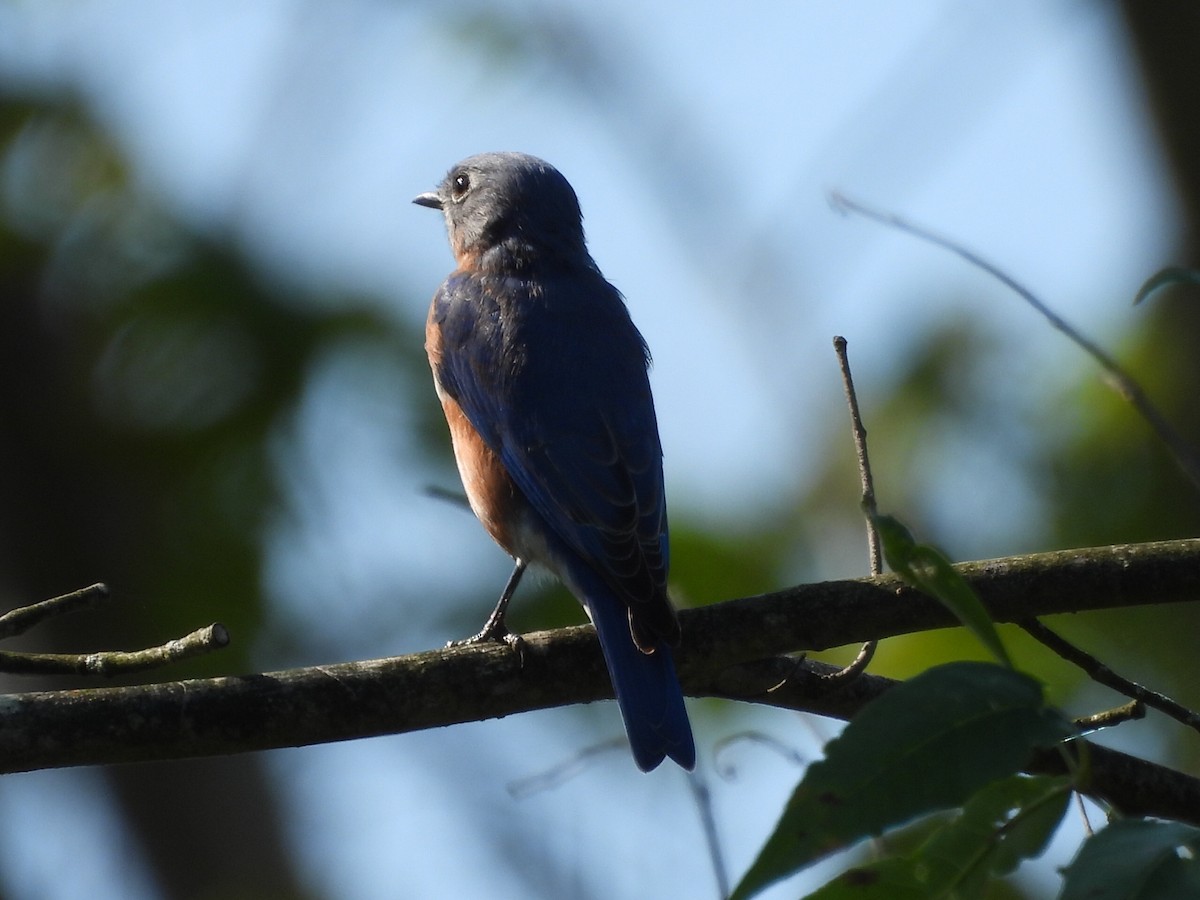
x=702 y=151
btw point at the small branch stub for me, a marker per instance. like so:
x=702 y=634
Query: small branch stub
x=106 y=663
x=20 y=620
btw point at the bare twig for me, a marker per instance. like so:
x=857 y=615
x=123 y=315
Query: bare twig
x=1101 y=673
x=864 y=462
x=20 y=620
x=859 y=664
x=1126 y=712
x=727 y=771
x=109 y=663
x=564 y=771
x=1083 y=814
x=1184 y=454
x=867 y=651
x=703 y=798
x=105 y=663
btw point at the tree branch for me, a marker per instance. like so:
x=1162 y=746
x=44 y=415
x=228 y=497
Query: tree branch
x=723 y=646
x=835 y=613
x=1131 y=785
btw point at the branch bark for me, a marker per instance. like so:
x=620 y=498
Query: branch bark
x=730 y=649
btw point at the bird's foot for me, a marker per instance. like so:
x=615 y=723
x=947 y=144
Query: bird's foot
x=494 y=629
x=494 y=632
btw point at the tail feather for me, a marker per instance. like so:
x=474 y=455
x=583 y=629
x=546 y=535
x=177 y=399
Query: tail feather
x=647 y=689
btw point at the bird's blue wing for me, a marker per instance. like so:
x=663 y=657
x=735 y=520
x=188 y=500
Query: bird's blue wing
x=560 y=393
x=558 y=389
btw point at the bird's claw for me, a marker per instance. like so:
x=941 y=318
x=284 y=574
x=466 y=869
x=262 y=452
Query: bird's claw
x=494 y=633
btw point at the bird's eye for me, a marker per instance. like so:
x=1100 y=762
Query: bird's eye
x=462 y=184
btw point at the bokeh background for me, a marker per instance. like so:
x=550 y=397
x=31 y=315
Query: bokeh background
x=213 y=394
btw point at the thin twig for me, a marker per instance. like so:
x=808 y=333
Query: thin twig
x=564 y=771
x=116 y=662
x=105 y=663
x=1101 y=673
x=761 y=738
x=1126 y=712
x=1184 y=454
x=860 y=448
x=20 y=620
x=577 y=762
x=703 y=797
x=859 y=664
x=1083 y=814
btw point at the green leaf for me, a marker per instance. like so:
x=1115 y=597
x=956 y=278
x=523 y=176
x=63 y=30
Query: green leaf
x=1163 y=277
x=1015 y=818
x=927 y=744
x=1136 y=859
x=1008 y=821
x=887 y=879
x=927 y=570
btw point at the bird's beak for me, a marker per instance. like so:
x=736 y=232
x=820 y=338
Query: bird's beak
x=433 y=201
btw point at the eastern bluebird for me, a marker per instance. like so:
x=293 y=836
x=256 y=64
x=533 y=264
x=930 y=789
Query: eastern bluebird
x=543 y=379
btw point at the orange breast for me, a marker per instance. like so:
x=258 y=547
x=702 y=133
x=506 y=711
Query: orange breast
x=494 y=497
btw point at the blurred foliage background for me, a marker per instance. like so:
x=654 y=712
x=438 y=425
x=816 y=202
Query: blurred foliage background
x=169 y=402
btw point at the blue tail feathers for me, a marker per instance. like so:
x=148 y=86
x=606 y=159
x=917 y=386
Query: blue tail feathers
x=647 y=690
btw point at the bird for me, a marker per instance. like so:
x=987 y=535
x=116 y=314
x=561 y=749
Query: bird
x=544 y=382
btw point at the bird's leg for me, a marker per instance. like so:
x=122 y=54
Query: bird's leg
x=494 y=628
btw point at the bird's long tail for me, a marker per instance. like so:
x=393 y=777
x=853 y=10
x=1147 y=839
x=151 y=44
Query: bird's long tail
x=646 y=686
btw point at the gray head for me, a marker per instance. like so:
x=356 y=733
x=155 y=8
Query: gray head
x=510 y=202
